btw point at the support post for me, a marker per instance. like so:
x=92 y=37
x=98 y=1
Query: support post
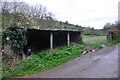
x=51 y=41
x=68 y=39
x=80 y=38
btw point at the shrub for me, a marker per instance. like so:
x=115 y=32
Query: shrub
x=16 y=38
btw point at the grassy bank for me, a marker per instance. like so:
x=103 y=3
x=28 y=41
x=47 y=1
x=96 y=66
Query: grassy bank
x=43 y=60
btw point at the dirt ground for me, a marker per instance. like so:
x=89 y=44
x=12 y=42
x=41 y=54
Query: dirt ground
x=100 y=64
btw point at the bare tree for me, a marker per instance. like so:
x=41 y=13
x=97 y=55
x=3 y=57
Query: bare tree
x=5 y=6
x=39 y=11
x=23 y=8
x=49 y=19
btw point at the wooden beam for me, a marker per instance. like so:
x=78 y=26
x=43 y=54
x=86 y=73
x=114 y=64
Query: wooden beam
x=51 y=41
x=68 y=39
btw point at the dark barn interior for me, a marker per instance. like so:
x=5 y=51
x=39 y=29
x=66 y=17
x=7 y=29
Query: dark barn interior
x=40 y=39
x=60 y=38
x=75 y=37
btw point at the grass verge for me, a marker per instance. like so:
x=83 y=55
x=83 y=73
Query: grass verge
x=43 y=60
x=96 y=45
x=112 y=43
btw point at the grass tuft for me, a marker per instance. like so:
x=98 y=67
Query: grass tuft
x=96 y=45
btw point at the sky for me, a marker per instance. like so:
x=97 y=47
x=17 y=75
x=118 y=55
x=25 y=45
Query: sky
x=93 y=13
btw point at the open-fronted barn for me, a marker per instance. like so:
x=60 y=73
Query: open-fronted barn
x=45 y=39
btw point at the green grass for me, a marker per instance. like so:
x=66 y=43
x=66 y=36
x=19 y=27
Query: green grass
x=114 y=42
x=43 y=60
x=96 y=45
x=94 y=39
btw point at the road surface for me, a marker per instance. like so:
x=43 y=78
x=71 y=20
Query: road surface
x=100 y=64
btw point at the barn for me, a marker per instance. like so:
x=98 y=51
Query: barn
x=49 y=39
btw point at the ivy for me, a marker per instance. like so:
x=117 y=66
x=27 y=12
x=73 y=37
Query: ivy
x=16 y=37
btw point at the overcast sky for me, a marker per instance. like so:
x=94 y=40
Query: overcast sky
x=94 y=13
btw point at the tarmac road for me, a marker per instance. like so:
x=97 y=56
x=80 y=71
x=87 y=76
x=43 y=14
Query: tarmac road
x=100 y=64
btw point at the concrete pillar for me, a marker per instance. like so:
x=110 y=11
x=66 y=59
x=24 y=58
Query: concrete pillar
x=51 y=41
x=68 y=39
